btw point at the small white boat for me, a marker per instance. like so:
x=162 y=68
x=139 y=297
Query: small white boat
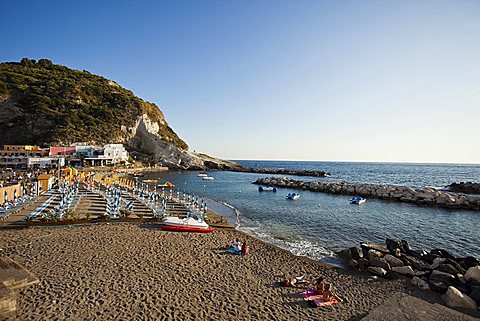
x=293 y=196
x=267 y=189
x=357 y=200
x=208 y=178
x=185 y=222
x=202 y=175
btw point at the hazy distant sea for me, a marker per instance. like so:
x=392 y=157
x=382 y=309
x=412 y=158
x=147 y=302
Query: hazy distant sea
x=318 y=224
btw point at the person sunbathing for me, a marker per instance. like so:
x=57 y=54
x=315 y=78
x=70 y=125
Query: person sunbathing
x=319 y=285
x=328 y=295
x=292 y=282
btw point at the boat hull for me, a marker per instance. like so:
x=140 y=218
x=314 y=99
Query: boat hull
x=177 y=228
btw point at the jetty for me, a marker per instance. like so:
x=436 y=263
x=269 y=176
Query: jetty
x=280 y=171
x=421 y=196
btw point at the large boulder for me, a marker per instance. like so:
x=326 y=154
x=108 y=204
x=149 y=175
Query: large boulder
x=377 y=271
x=392 y=260
x=356 y=253
x=442 y=253
x=373 y=254
x=404 y=270
x=448 y=268
x=422 y=284
x=380 y=262
x=436 y=262
x=456 y=299
x=429 y=258
x=443 y=277
x=437 y=286
x=473 y=274
x=392 y=245
x=345 y=255
x=415 y=263
x=362 y=264
x=475 y=294
x=456 y=265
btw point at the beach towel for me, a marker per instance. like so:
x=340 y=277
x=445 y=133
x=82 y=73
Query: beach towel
x=316 y=299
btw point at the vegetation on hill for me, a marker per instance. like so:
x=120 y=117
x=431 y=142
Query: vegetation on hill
x=44 y=103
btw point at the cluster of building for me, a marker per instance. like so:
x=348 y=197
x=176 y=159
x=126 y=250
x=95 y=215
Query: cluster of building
x=79 y=154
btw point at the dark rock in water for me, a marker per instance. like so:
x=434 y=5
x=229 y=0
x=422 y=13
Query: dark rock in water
x=475 y=294
x=394 y=244
x=416 y=253
x=467 y=188
x=442 y=253
x=446 y=278
x=448 y=268
x=356 y=253
x=471 y=261
x=438 y=286
x=380 y=262
x=345 y=255
x=406 y=247
x=429 y=258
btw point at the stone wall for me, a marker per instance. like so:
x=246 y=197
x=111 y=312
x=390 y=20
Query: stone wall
x=423 y=196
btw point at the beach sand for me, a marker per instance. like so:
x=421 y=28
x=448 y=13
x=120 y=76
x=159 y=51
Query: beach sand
x=139 y=272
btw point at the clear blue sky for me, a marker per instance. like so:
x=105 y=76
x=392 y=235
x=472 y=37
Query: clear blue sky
x=302 y=80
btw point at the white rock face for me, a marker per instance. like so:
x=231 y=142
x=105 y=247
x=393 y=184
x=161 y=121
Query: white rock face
x=456 y=299
x=473 y=273
x=144 y=136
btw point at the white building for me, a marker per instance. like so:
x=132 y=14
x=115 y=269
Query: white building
x=114 y=152
x=45 y=162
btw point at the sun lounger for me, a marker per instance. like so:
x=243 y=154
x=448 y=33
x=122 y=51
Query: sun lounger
x=41 y=208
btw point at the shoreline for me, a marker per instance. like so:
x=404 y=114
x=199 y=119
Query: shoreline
x=120 y=261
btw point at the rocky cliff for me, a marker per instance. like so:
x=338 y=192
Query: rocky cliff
x=43 y=103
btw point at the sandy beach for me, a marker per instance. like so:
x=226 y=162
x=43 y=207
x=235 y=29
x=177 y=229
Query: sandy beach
x=132 y=271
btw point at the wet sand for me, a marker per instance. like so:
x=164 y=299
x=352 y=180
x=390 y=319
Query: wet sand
x=132 y=271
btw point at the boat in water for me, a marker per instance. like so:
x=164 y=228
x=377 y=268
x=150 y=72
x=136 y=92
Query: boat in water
x=208 y=178
x=357 y=200
x=293 y=196
x=268 y=188
x=149 y=181
x=202 y=175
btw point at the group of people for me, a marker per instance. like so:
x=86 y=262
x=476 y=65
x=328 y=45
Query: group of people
x=239 y=248
x=325 y=289
x=321 y=288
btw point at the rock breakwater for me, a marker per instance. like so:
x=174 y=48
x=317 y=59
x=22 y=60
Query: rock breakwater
x=468 y=187
x=280 y=171
x=457 y=278
x=421 y=196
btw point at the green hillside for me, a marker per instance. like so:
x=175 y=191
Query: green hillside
x=43 y=103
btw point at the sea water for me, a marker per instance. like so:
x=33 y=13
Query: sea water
x=317 y=225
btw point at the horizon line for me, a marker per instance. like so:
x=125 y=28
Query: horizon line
x=356 y=161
